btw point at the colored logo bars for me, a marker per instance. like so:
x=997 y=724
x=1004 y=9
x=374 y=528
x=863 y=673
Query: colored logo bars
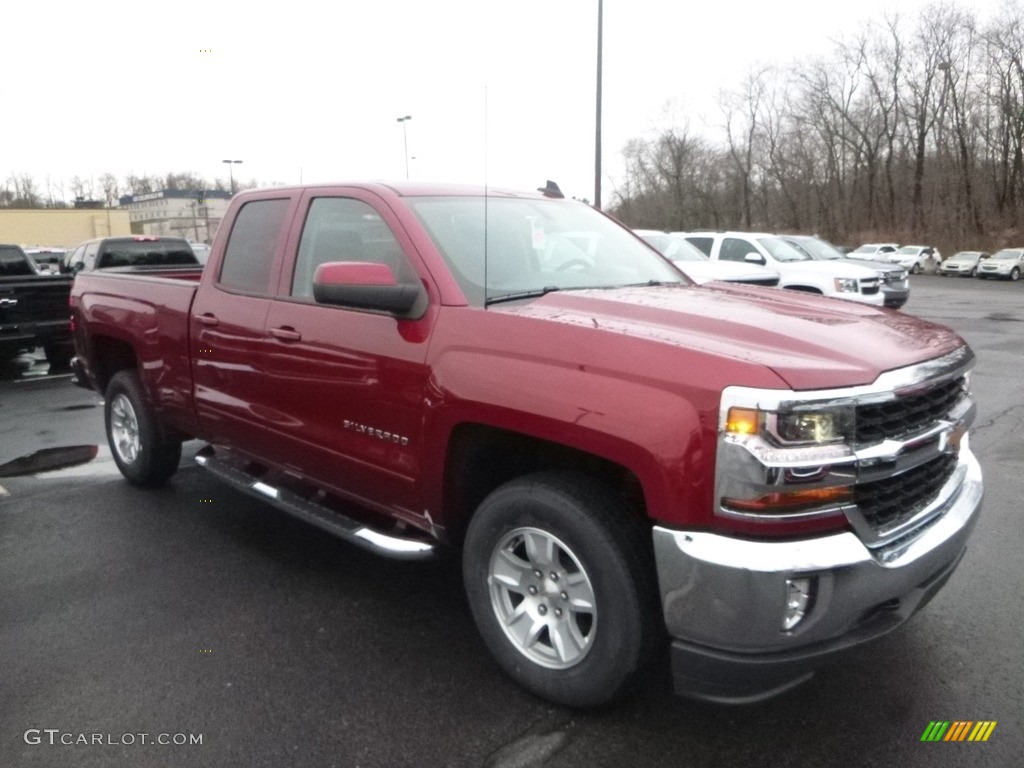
x=958 y=730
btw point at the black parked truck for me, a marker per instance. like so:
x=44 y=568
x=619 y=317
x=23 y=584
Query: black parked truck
x=33 y=309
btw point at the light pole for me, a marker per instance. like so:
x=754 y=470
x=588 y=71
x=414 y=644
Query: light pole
x=405 y=139
x=231 y=172
x=597 y=122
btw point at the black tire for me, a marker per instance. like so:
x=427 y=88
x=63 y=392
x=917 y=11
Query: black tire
x=974 y=272
x=1015 y=274
x=59 y=355
x=916 y=269
x=597 y=546
x=143 y=450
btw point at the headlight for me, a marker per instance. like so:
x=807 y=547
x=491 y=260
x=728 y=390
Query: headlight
x=814 y=428
x=819 y=427
x=846 y=285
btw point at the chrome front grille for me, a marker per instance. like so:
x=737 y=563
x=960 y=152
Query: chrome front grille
x=888 y=503
x=905 y=415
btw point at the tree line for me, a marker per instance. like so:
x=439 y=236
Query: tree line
x=23 y=191
x=910 y=131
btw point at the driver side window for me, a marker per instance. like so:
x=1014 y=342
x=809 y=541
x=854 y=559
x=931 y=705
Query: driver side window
x=734 y=249
x=341 y=229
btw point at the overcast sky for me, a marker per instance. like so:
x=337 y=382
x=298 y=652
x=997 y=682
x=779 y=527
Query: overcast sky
x=501 y=92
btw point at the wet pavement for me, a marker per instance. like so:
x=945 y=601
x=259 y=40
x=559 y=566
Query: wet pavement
x=196 y=610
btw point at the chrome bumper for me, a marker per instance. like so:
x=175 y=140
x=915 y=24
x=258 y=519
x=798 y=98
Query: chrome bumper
x=724 y=598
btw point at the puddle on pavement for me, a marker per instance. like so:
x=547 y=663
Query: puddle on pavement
x=51 y=460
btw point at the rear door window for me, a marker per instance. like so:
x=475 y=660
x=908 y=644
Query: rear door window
x=249 y=257
x=703 y=243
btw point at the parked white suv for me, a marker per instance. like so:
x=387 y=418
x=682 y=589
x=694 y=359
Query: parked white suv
x=797 y=270
x=698 y=267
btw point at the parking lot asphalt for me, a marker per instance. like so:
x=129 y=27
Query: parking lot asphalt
x=196 y=611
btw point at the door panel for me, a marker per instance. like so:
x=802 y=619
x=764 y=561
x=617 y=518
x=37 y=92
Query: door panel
x=227 y=333
x=348 y=385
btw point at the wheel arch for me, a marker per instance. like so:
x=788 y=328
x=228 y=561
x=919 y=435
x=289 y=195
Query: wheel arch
x=481 y=458
x=111 y=355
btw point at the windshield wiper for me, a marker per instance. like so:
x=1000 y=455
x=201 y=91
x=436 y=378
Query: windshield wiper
x=648 y=284
x=537 y=293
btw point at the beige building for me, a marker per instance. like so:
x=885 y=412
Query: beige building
x=177 y=213
x=60 y=227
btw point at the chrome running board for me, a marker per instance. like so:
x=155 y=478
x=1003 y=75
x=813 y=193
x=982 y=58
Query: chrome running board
x=323 y=517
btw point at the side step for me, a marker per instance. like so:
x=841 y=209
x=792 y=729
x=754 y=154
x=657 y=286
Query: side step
x=395 y=547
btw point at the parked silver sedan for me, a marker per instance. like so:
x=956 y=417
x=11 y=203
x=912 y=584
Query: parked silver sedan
x=1006 y=264
x=962 y=263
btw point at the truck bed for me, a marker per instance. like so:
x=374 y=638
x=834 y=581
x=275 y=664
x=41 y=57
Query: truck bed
x=128 y=308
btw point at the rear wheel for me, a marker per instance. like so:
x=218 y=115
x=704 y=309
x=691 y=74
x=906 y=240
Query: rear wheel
x=142 y=449
x=560 y=580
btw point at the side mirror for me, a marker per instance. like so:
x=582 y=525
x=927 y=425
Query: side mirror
x=754 y=258
x=366 y=285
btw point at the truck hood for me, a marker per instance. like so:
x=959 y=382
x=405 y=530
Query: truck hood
x=810 y=342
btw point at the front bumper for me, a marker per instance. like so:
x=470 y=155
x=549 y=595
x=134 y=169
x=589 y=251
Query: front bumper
x=895 y=297
x=724 y=598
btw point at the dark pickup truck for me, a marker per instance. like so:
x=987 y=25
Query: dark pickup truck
x=33 y=309
x=625 y=460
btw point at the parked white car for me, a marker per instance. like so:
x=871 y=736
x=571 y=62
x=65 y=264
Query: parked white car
x=874 y=251
x=699 y=268
x=916 y=258
x=797 y=270
x=1006 y=264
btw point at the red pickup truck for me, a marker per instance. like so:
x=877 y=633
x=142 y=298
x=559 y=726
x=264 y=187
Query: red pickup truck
x=624 y=459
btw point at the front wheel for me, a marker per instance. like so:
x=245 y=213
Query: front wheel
x=560 y=581
x=1015 y=274
x=142 y=450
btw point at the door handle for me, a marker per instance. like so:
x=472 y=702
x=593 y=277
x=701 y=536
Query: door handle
x=286 y=334
x=208 y=320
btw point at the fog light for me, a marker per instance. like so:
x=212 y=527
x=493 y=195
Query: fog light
x=798 y=600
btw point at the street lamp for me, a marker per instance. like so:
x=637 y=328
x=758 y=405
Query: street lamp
x=405 y=139
x=231 y=172
x=597 y=121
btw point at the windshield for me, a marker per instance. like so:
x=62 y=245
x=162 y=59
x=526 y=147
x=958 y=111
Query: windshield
x=1008 y=253
x=966 y=256
x=676 y=247
x=534 y=246
x=817 y=249
x=912 y=249
x=781 y=250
